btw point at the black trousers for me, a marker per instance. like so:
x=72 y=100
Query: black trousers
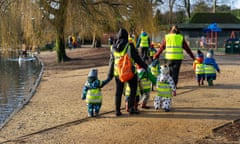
x=174 y=68
x=144 y=54
x=119 y=92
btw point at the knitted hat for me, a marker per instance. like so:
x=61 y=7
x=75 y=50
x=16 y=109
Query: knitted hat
x=93 y=73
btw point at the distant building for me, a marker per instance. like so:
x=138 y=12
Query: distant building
x=194 y=30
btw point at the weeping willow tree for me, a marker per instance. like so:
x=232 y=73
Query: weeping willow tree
x=20 y=24
x=10 y=27
x=86 y=16
x=92 y=19
x=31 y=21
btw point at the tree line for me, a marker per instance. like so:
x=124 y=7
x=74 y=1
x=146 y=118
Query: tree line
x=36 y=22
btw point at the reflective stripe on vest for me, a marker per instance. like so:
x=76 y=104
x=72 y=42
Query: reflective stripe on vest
x=117 y=56
x=94 y=96
x=146 y=84
x=164 y=90
x=144 y=41
x=174 y=50
x=199 y=69
x=128 y=90
x=154 y=70
x=209 y=69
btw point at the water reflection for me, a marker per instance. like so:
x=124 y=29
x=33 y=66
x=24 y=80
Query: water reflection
x=17 y=79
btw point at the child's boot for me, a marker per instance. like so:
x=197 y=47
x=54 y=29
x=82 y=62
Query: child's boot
x=136 y=106
x=144 y=105
x=90 y=114
x=210 y=82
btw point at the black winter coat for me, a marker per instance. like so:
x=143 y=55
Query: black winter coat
x=118 y=46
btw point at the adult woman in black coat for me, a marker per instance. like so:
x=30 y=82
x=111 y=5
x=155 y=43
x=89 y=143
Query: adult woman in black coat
x=118 y=46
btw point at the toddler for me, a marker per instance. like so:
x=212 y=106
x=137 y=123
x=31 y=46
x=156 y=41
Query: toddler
x=127 y=92
x=145 y=79
x=155 y=70
x=165 y=89
x=92 y=93
x=198 y=67
x=210 y=68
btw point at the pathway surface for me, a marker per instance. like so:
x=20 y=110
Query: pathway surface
x=57 y=115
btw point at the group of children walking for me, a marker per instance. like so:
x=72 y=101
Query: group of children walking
x=205 y=68
x=157 y=77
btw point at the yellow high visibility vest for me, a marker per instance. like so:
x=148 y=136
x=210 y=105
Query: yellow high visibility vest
x=146 y=84
x=154 y=70
x=94 y=96
x=117 y=56
x=199 y=69
x=144 y=41
x=132 y=40
x=209 y=69
x=174 y=49
x=152 y=52
x=164 y=90
x=128 y=90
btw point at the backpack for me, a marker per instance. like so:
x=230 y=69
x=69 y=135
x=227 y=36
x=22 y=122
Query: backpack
x=125 y=67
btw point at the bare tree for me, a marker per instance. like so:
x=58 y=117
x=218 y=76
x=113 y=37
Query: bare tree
x=187 y=5
x=170 y=4
x=214 y=6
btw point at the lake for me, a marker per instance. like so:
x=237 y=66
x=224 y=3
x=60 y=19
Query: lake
x=19 y=78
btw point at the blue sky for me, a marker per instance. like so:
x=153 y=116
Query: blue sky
x=236 y=4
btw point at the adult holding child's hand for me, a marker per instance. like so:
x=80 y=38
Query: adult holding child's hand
x=174 y=44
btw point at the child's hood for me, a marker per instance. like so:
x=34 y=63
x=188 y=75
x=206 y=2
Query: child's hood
x=209 y=61
x=94 y=84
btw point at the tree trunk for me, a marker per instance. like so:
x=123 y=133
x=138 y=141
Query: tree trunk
x=59 y=25
x=60 y=46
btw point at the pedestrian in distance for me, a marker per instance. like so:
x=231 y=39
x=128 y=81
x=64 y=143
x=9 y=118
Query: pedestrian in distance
x=119 y=48
x=174 y=44
x=92 y=93
x=144 y=43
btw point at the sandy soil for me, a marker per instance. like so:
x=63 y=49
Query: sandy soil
x=57 y=115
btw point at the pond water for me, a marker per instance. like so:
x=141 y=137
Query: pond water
x=17 y=79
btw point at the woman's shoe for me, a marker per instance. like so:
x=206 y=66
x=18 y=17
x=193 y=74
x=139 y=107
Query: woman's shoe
x=118 y=113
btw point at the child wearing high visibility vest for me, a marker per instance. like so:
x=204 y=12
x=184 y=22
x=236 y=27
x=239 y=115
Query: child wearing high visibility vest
x=210 y=68
x=92 y=92
x=127 y=92
x=155 y=69
x=165 y=89
x=152 y=52
x=145 y=79
x=198 y=67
